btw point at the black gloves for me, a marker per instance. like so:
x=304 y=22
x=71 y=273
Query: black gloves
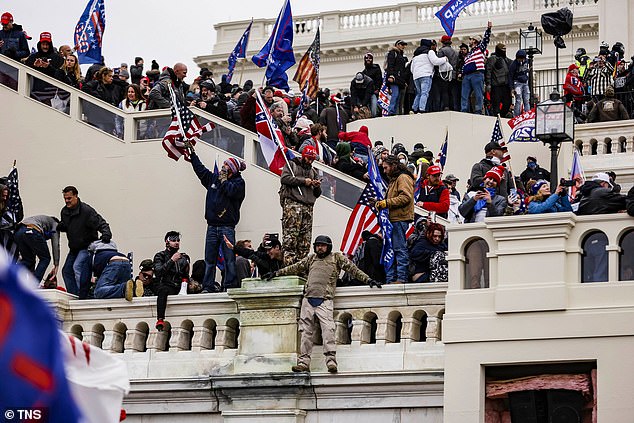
x=268 y=276
x=105 y=239
x=374 y=283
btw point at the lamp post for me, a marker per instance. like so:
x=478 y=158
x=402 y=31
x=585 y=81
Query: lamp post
x=554 y=124
x=531 y=42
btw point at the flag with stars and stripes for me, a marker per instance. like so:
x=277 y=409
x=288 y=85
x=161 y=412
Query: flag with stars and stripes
x=497 y=136
x=13 y=214
x=184 y=128
x=442 y=155
x=304 y=100
x=307 y=74
x=89 y=32
x=384 y=97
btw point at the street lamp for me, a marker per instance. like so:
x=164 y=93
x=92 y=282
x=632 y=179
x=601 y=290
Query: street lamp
x=554 y=124
x=531 y=42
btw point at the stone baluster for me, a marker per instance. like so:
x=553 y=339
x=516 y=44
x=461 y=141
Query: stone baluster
x=600 y=147
x=180 y=339
x=225 y=337
x=157 y=340
x=341 y=333
x=629 y=144
x=432 y=330
x=361 y=332
x=586 y=148
x=93 y=338
x=135 y=340
x=411 y=327
x=113 y=341
x=616 y=145
x=202 y=339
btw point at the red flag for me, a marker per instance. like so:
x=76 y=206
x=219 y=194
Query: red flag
x=271 y=138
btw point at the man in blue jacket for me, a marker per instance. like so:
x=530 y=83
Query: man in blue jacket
x=225 y=193
x=13 y=42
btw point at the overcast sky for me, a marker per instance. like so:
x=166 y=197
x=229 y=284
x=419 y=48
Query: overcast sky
x=168 y=31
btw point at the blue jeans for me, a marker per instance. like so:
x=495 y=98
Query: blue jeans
x=522 y=95
x=374 y=107
x=399 y=270
x=472 y=82
x=76 y=273
x=394 y=101
x=32 y=246
x=423 y=85
x=111 y=283
x=213 y=242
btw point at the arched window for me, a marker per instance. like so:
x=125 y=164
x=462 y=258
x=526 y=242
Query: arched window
x=626 y=257
x=594 y=261
x=476 y=264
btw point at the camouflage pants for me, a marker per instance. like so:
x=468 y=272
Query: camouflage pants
x=297 y=227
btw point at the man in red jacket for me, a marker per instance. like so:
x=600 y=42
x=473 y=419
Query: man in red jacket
x=434 y=195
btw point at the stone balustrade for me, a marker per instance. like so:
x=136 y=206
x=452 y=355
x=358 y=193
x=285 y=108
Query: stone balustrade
x=253 y=329
x=602 y=138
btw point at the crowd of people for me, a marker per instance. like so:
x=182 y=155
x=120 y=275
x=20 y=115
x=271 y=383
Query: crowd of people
x=468 y=80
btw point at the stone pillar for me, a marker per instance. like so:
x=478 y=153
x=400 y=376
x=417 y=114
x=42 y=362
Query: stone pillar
x=616 y=145
x=629 y=145
x=113 y=341
x=135 y=340
x=586 y=149
x=202 y=339
x=180 y=339
x=269 y=311
x=431 y=331
x=411 y=327
x=92 y=338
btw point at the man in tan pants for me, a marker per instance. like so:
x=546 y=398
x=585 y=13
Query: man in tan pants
x=323 y=268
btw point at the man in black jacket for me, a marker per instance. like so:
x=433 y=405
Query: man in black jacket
x=597 y=197
x=629 y=202
x=81 y=224
x=493 y=155
x=533 y=171
x=171 y=268
x=396 y=62
x=373 y=71
x=269 y=256
x=361 y=90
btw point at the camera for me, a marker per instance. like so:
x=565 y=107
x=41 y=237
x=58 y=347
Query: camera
x=274 y=236
x=567 y=183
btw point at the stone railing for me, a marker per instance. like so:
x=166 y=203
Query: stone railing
x=597 y=139
x=557 y=4
x=227 y=331
x=427 y=11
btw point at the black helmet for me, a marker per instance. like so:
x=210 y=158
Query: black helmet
x=209 y=85
x=398 y=148
x=580 y=52
x=324 y=240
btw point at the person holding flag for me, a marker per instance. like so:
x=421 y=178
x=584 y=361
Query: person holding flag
x=399 y=200
x=239 y=52
x=225 y=193
x=301 y=186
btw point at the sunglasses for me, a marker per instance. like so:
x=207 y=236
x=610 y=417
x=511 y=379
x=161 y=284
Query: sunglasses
x=174 y=239
x=147 y=275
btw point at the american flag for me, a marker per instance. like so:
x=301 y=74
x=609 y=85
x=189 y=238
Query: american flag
x=497 y=136
x=15 y=201
x=307 y=74
x=176 y=135
x=89 y=32
x=12 y=215
x=384 y=97
x=442 y=155
x=303 y=100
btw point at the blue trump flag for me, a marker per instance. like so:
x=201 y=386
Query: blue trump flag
x=89 y=32
x=387 y=254
x=277 y=54
x=449 y=13
x=239 y=52
x=31 y=357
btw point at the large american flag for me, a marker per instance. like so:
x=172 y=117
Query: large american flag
x=363 y=218
x=184 y=128
x=308 y=68
x=384 y=96
x=496 y=136
x=12 y=215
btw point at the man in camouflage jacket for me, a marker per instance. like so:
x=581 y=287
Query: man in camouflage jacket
x=323 y=268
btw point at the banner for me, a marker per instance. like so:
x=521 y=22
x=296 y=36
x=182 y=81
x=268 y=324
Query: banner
x=523 y=127
x=450 y=12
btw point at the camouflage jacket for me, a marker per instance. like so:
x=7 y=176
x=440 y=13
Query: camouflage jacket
x=323 y=273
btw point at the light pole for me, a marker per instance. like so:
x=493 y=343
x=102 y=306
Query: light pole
x=531 y=42
x=554 y=124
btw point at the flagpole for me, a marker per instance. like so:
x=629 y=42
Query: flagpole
x=178 y=117
x=272 y=49
x=244 y=59
x=246 y=47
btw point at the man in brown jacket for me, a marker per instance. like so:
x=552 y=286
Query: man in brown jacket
x=301 y=186
x=609 y=109
x=399 y=200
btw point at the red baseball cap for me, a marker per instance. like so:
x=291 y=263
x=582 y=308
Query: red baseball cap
x=7 y=18
x=46 y=36
x=309 y=152
x=434 y=170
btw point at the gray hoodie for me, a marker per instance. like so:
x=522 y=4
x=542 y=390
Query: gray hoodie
x=48 y=228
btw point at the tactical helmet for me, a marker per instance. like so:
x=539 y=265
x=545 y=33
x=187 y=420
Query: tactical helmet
x=580 y=52
x=324 y=240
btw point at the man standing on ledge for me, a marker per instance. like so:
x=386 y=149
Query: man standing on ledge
x=322 y=268
x=300 y=189
x=81 y=224
x=473 y=71
x=225 y=193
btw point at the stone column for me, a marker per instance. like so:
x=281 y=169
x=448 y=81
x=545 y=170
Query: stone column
x=269 y=311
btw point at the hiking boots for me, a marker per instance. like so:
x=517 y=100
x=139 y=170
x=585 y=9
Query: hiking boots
x=300 y=367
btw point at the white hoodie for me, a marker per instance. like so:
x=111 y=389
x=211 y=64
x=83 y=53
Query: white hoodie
x=423 y=64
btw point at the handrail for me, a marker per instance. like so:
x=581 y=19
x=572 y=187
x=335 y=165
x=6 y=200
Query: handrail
x=129 y=119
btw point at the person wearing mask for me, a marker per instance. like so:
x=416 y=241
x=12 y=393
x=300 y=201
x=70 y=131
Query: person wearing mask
x=533 y=171
x=518 y=82
x=493 y=157
x=373 y=70
x=581 y=61
x=496 y=77
x=348 y=166
x=543 y=201
x=171 y=268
